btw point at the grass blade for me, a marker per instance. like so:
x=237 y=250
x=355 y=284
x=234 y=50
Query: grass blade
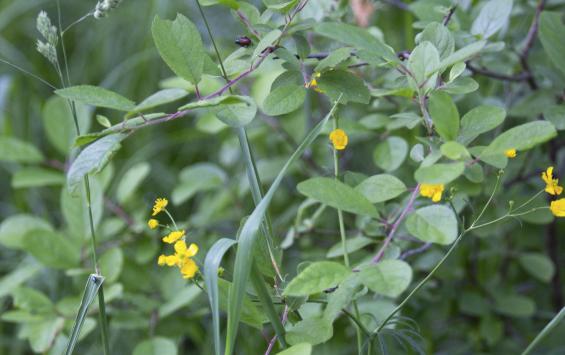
x=552 y=324
x=92 y=285
x=211 y=265
x=243 y=261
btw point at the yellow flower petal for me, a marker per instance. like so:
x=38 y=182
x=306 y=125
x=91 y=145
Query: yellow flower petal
x=192 y=250
x=172 y=260
x=510 y=153
x=159 y=205
x=180 y=247
x=174 y=236
x=162 y=260
x=339 y=139
x=153 y=223
x=188 y=269
x=557 y=207
x=432 y=191
x=552 y=185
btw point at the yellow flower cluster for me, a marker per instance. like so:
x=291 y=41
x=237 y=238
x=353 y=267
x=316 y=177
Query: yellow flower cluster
x=182 y=258
x=433 y=191
x=557 y=207
x=339 y=139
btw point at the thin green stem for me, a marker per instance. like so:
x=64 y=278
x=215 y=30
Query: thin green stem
x=171 y=218
x=101 y=302
x=545 y=331
x=530 y=200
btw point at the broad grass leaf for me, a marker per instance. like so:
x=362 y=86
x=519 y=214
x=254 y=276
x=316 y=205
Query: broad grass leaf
x=433 y=224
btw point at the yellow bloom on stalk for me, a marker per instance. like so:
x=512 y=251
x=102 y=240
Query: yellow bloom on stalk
x=159 y=205
x=182 y=259
x=432 y=191
x=153 y=223
x=557 y=207
x=174 y=236
x=313 y=84
x=510 y=153
x=552 y=186
x=339 y=139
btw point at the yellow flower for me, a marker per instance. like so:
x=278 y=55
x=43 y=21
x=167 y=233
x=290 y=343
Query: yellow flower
x=339 y=139
x=173 y=236
x=182 y=259
x=313 y=84
x=557 y=207
x=510 y=153
x=432 y=191
x=160 y=205
x=153 y=223
x=552 y=186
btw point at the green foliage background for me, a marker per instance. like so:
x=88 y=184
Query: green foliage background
x=493 y=295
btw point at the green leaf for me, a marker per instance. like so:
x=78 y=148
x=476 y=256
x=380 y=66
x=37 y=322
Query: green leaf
x=422 y=63
x=160 y=98
x=284 y=99
x=15 y=150
x=522 y=137
x=444 y=115
x=32 y=300
x=310 y=330
x=211 y=265
x=267 y=41
x=232 y=4
x=131 y=180
x=461 y=86
x=341 y=83
x=390 y=154
x=251 y=314
x=248 y=235
x=454 y=151
x=236 y=111
x=438 y=35
x=180 y=46
x=14 y=228
x=357 y=37
x=461 y=55
x=342 y=296
x=156 y=346
x=493 y=16
x=90 y=291
x=333 y=59
x=93 y=158
x=479 y=120
x=388 y=277
x=440 y=173
x=298 y=349
x=37 y=177
x=21 y=273
x=197 y=178
x=334 y=193
x=280 y=5
x=433 y=224
x=41 y=334
x=538 y=265
x=551 y=29
x=515 y=306
x=380 y=188
x=351 y=244
x=96 y=96
x=316 y=278
x=556 y=115
x=59 y=125
x=51 y=249
x=111 y=264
